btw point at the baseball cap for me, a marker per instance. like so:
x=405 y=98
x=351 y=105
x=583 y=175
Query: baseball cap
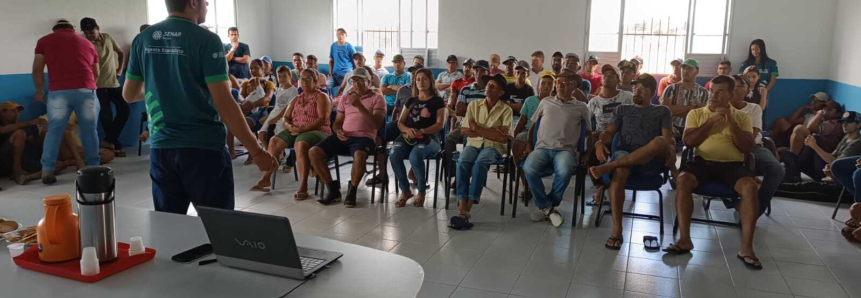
x=637 y=60
x=266 y=59
x=677 y=61
x=415 y=67
x=379 y=53
x=498 y=78
x=608 y=67
x=451 y=58
x=557 y=54
x=62 y=24
x=566 y=73
x=627 y=64
x=847 y=117
x=481 y=64
x=361 y=72
x=522 y=64
x=692 y=63
x=510 y=59
x=820 y=96
x=88 y=24
x=646 y=80
x=572 y=55
x=592 y=58
x=469 y=62
x=9 y=105
x=398 y=58
x=548 y=73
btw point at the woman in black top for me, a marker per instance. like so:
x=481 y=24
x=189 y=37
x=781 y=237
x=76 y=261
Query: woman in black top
x=422 y=119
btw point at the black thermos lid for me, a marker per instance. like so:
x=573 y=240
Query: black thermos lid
x=96 y=179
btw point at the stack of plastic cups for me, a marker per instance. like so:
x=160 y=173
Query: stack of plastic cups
x=136 y=246
x=15 y=249
x=89 y=262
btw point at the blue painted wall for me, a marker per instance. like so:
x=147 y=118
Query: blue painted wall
x=846 y=94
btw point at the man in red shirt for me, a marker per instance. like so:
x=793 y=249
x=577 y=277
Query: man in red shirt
x=590 y=75
x=673 y=78
x=73 y=64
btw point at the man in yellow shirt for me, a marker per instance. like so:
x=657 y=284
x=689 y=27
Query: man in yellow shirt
x=486 y=128
x=722 y=135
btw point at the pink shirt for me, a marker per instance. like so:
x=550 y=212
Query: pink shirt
x=355 y=124
x=305 y=112
x=70 y=60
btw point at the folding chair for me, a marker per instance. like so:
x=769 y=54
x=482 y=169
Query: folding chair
x=839 y=201
x=635 y=183
x=505 y=160
x=579 y=177
x=436 y=158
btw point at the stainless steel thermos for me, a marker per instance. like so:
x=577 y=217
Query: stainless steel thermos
x=96 y=211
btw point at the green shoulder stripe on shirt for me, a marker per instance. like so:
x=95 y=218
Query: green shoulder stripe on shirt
x=216 y=78
x=134 y=77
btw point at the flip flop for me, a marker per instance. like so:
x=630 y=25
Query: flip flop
x=300 y=196
x=614 y=240
x=651 y=243
x=676 y=250
x=459 y=223
x=258 y=188
x=595 y=203
x=755 y=264
x=119 y=153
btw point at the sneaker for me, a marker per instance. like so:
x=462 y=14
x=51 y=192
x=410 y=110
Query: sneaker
x=538 y=215
x=556 y=218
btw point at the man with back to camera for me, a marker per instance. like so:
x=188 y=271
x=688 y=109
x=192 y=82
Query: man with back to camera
x=238 y=55
x=340 y=59
x=189 y=103
x=109 y=91
x=74 y=66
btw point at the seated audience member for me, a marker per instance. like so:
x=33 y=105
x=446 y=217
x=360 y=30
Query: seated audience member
x=852 y=230
x=627 y=69
x=847 y=170
x=16 y=140
x=782 y=129
x=602 y=107
x=589 y=73
x=813 y=158
x=298 y=67
x=404 y=93
x=639 y=62
x=419 y=126
x=379 y=70
x=767 y=164
x=418 y=60
x=447 y=77
x=467 y=79
x=572 y=62
x=673 y=78
x=486 y=127
x=685 y=96
x=519 y=90
x=556 y=63
x=475 y=91
x=722 y=136
x=268 y=72
x=758 y=94
x=510 y=67
x=555 y=147
x=494 y=65
x=283 y=96
x=537 y=68
x=394 y=81
x=358 y=61
x=823 y=125
x=646 y=145
x=306 y=123
x=361 y=113
x=521 y=129
x=391 y=131
x=72 y=149
x=311 y=63
x=724 y=69
x=256 y=93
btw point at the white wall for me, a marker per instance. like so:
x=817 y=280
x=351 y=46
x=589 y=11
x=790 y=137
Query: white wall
x=255 y=27
x=303 y=26
x=845 y=57
x=28 y=20
x=797 y=34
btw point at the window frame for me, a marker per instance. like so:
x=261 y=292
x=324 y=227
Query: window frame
x=360 y=26
x=214 y=7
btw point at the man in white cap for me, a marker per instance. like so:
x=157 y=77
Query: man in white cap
x=782 y=128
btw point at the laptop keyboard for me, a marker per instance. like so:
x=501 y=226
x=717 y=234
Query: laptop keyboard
x=310 y=263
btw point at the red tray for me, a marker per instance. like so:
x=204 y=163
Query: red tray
x=72 y=269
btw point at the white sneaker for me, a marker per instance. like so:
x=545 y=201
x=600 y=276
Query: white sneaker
x=539 y=215
x=556 y=218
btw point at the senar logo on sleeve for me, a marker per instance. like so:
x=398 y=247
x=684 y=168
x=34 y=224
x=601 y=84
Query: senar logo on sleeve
x=156 y=35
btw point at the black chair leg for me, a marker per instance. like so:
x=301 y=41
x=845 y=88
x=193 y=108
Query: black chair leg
x=374 y=187
x=504 y=184
x=600 y=208
x=516 y=188
x=435 y=182
x=337 y=168
x=660 y=211
x=839 y=201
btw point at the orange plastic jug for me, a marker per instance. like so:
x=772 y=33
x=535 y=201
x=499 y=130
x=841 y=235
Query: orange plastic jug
x=57 y=233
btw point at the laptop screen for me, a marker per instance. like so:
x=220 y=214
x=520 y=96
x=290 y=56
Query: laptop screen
x=251 y=236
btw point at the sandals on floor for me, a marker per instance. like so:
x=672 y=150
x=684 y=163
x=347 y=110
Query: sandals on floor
x=402 y=201
x=300 y=196
x=753 y=264
x=651 y=243
x=592 y=202
x=459 y=223
x=676 y=250
x=614 y=240
x=119 y=153
x=419 y=202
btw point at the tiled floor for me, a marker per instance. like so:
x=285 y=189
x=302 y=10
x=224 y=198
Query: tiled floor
x=799 y=245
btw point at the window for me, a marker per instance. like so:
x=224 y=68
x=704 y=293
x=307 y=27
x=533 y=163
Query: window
x=220 y=16
x=659 y=33
x=388 y=25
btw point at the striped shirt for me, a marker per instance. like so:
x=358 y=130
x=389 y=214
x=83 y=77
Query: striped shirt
x=305 y=112
x=470 y=93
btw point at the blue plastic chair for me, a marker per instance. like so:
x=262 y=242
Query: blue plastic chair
x=504 y=161
x=579 y=177
x=635 y=183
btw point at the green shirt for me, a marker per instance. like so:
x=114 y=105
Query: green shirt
x=176 y=59
x=107 y=48
x=528 y=109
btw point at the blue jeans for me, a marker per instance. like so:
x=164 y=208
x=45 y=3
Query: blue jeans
x=334 y=83
x=845 y=172
x=474 y=163
x=772 y=172
x=544 y=162
x=60 y=106
x=417 y=155
x=186 y=176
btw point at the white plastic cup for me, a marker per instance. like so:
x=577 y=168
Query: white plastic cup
x=89 y=262
x=136 y=246
x=15 y=249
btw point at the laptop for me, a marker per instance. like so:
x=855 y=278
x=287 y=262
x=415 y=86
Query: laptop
x=261 y=243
